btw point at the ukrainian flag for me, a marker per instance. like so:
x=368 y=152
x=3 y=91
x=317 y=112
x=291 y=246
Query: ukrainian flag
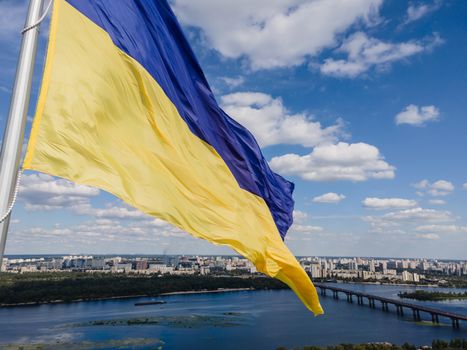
x=125 y=107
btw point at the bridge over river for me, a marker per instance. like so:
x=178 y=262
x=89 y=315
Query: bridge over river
x=385 y=302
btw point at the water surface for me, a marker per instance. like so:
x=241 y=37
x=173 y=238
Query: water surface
x=235 y=320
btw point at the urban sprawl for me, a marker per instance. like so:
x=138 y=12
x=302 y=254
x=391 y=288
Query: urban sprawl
x=366 y=269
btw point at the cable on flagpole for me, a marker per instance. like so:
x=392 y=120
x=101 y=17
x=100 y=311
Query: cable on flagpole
x=39 y=21
x=15 y=194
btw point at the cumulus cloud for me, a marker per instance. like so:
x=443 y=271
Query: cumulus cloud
x=418 y=11
x=273 y=33
x=464 y=186
x=388 y=203
x=363 y=53
x=417 y=116
x=436 y=189
x=330 y=197
x=44 y=192
x=271 y=123
x=334 y=162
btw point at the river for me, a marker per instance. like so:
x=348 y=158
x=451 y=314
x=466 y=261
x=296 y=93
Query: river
x=234 y=320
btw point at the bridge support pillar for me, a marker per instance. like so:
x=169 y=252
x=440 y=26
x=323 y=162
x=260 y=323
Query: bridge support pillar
x=323 y=291
x=349 y=298
x=434 y=318
x=416 y=314
x=400 y=310
x=335 y=294
x=455 y=323
x=385 y=306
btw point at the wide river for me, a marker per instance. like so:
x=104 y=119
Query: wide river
x=234 y=320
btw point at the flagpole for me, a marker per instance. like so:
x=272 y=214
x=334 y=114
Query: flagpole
x=14 y=133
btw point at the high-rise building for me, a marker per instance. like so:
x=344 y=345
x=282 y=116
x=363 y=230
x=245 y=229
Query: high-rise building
x=353 y=265
x=372 y=266
x=315 y=270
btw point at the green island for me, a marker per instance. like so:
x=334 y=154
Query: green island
x=36 y=288
x=455 y=344
x=425 y=295
x=227 y=319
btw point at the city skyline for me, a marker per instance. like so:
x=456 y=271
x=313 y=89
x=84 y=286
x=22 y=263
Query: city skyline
x=367 y=119
x=383 y=270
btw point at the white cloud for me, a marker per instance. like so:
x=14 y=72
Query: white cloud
x=99 y=233
x=233 y=82
x=416 y=214
x=437 y=202
x=430 y=236
x=330 y=197
x=300 y=225
x=342 y=161
x=405 y=222
x=442 y=229
x=43 y=192
x=305 y=229
x=363 y=53
x=435 y=189
x=111 y=211
x=274 y=33
x=271 y=123
x=415 y=12
x=417 y=116
x=388 y=203
x=299 y=216
x=464 y=186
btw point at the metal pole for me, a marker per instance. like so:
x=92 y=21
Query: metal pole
x=14 y=133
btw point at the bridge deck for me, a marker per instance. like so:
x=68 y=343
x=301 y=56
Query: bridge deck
x=395 y=302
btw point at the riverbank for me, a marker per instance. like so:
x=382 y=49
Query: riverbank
x=37 y=290
x=189 y=292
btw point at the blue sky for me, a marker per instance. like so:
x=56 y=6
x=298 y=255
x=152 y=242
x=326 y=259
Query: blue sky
x=361 y=104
